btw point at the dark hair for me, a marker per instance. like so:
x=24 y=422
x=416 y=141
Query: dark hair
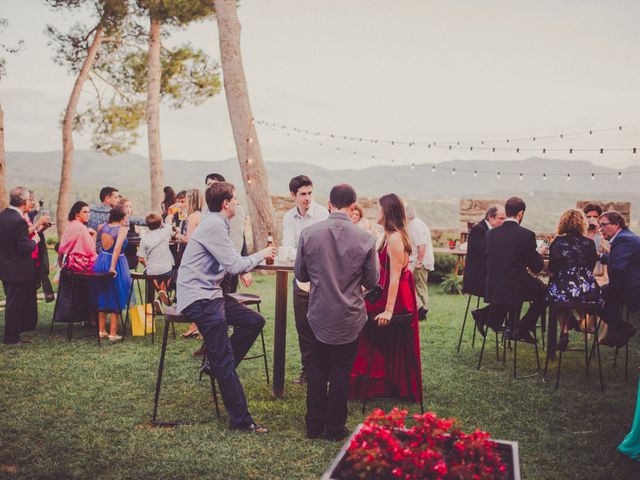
x=492 y=212
x=153 y=221
x=106 y=192
x=214 y=176
x=169 y=197
x=116 y=214
x=76 y=208
x=615 y=218
x=342 y=196
x=513 y=206
x=217 y=193
x=181 y=194
x=298 y=182
x=592 y=207
x=394 y=219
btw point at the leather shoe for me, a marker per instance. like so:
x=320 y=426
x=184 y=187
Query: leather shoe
x=479 y=318
x=251 y=428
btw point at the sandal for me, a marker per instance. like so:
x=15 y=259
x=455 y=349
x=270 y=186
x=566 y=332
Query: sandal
x=115 y=338
x=103 y=335
x=191 y=333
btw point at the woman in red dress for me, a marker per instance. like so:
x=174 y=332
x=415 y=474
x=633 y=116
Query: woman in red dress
x=393 y=345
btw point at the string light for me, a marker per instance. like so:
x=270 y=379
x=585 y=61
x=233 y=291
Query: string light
x=568 y=177
x=413 y=166
x=498 y=176
x=619 y=175
x=433 y=169
x=593 y=176
x=475 y=173
x=544 y=177
x=521 y=176
x=453 y=171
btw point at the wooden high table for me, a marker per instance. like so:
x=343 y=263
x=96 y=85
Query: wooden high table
x=461 y=254
x=280 y=328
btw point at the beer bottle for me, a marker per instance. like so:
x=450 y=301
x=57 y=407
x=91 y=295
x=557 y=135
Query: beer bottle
x=269 y=260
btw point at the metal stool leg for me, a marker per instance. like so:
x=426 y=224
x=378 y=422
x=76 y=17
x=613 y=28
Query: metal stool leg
x=160 y=370
x=475 y=328
x=464 y=323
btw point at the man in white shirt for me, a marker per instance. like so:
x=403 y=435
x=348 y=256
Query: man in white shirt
x=421 y=261
x=305 y=213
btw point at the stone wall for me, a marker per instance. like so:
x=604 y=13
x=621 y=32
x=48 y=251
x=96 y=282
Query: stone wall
x=623 y=208
x=473 y=211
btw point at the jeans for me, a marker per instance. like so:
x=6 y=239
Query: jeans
x=209 y=316
x=305 y=334
x=327 y=406
x=247 y=325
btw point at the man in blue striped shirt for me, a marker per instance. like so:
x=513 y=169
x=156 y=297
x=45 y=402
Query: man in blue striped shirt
x=209 y=254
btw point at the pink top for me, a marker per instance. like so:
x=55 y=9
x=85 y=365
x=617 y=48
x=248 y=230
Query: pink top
x=77 y=240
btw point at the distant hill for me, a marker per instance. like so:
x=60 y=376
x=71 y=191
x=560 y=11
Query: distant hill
x=435 y=194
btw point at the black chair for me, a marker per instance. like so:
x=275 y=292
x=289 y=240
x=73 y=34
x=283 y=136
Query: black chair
x=464 y=323
x=400 y=320
x=589 y=308
x=172 y=316
x=88 y=277
x=510 y=325
x=253 y=299
x=148 y=298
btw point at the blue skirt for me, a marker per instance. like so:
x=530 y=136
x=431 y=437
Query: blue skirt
x=106 y=297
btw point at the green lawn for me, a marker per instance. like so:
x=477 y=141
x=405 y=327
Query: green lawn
x=79 y=411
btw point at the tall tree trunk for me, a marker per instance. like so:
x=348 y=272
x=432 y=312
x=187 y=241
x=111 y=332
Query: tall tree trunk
x=64 y=193
x=254 y=173
x=4 y=201
x=154 y=71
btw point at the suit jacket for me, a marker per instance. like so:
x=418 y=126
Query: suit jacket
x=338 y=258
x=16 y=264
x=624 y=267
x=475 y=268
x=511 y=249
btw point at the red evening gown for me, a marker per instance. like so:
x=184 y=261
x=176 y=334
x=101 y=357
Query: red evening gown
x=388 y=377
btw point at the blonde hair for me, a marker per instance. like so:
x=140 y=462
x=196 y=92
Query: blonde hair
x=195 y=201
x=572 y=222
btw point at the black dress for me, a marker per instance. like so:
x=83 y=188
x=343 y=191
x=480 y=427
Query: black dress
x=572 y=259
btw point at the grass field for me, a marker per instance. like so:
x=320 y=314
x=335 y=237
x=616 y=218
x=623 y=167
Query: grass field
x=74 y=410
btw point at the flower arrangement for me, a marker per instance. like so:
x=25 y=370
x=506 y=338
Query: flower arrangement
x=434 y=448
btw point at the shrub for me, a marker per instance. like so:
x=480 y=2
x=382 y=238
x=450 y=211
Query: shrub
x=444 y=265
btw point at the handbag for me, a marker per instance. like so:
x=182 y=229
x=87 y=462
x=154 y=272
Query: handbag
x=78 y=262
x=373 y=295
x=141 y=320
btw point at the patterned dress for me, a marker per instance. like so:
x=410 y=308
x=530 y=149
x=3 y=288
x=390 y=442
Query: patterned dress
x=572 y=259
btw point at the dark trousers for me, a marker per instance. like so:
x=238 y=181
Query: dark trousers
x=209 y=316
x=247 y=324
x=533 y=290
x=21 y=310
x=611 y=311
x=305 y=334
x=327 y=405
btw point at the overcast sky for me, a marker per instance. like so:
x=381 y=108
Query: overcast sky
x=405 y=70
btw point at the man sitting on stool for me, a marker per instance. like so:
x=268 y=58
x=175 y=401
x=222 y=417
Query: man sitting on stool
x=623 y=260
x=511 y=249
x=209 y=254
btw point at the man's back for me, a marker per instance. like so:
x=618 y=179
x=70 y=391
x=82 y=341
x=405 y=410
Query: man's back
x=338 y=258
x=624 y=266
x=15 y=247
x=511 y=249
x=475 y=268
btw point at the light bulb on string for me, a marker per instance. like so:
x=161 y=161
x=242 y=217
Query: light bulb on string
x=498 y=176
x=413 y=166
x=517 y=150
x=571 y=151
x=433 y=169
x=601 y=151
x=568 y=177
x=475 y=173
x=593 y=176
x=521 y=176
x=544 y=177
x=453 y=171
x=619 y=175
x=544 y=150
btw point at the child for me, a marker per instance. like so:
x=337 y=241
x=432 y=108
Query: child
x=154 y=252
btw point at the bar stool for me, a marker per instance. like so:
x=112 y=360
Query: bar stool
x=626 y=346
x=589 y=308
x=149 y=297
x=172 y=316
x=88 y=277
x=404 y=320
x=253 y=299
x=464 y=323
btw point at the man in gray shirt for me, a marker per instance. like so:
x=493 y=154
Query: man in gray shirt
x=209 y=254
x=338 y=258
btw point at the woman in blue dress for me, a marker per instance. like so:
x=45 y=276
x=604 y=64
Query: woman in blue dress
x=113 y=236
x=572 y=259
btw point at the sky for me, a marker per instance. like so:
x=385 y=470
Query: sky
x=408 y=70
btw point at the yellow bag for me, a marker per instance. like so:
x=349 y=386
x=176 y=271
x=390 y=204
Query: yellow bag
x=141 y=323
